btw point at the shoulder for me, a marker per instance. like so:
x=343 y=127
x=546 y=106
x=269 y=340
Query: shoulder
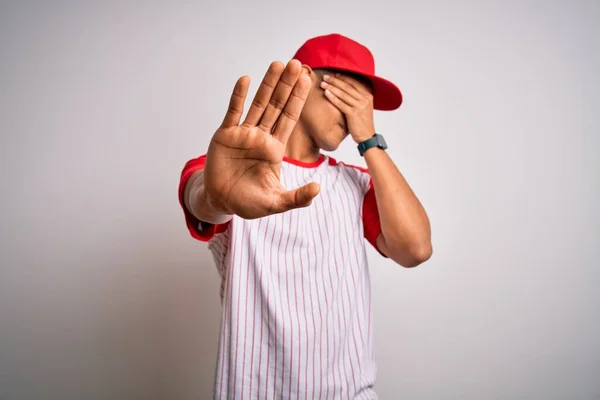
x=350 y=168
x=360 y=175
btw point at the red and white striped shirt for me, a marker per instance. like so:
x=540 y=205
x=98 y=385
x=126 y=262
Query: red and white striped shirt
x=296 y=294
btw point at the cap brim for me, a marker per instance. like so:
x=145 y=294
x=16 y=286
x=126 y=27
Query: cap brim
x=386 y=95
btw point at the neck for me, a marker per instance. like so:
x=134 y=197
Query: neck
x=301 y=147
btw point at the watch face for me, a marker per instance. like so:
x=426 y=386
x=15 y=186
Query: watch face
x=381 y=141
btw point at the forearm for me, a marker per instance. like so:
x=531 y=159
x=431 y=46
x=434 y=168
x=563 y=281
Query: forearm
x=199 y=203
x=404 y=223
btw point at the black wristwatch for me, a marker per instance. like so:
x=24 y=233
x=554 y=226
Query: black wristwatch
x=376 y=141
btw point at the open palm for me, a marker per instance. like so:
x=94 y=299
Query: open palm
x=243 y=162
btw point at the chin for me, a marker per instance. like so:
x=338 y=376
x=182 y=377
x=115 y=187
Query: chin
x=329 y=146
x=331 y=142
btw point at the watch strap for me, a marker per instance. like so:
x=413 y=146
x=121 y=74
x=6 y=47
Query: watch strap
x=375 y=141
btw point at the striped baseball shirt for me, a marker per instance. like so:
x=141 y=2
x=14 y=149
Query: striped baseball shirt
x=295 y=290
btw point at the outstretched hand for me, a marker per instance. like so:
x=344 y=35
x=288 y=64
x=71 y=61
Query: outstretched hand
x=243 y=162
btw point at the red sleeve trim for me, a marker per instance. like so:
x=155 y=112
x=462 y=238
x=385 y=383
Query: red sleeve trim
x=193 y=224
x=371 y=222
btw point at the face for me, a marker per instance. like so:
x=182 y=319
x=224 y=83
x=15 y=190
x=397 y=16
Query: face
x=321 y=120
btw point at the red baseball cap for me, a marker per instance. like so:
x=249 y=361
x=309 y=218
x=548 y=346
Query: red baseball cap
x=338 y=52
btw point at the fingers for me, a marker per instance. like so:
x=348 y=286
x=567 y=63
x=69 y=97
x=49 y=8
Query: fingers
x=293 y=109
x=281 y=94
x=236 y=103
x=301 y=197
x=335 y=92
x=355 y=88
x=264 y=93
x=336 y=101
x=330 y=82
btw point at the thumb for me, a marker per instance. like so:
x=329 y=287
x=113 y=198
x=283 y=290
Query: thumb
x=297 y=198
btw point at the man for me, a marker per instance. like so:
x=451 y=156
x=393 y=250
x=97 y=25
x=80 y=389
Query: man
x=286 y=225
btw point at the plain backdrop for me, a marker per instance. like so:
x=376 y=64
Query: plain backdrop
x=104 y=295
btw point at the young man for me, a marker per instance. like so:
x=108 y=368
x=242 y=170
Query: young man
x=286 y=225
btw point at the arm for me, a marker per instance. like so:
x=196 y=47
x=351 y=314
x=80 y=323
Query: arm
x=405 y=230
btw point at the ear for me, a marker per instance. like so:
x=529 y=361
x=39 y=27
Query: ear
x=313 y=75
x=307 y=69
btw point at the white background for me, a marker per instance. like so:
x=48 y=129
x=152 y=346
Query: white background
x=104 y=295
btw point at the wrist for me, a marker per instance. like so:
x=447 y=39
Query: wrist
x=204 y=206
x=215 y=207
x=359 y=138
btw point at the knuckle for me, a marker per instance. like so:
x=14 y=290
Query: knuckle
x=258 y=103
x=268 y=85
x=289 y=115
x=287 y=85
x=297 y=95
x=277 y=103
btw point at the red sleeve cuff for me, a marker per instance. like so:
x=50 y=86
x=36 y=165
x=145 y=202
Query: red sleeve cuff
x=208 y=231
x=371 y=223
